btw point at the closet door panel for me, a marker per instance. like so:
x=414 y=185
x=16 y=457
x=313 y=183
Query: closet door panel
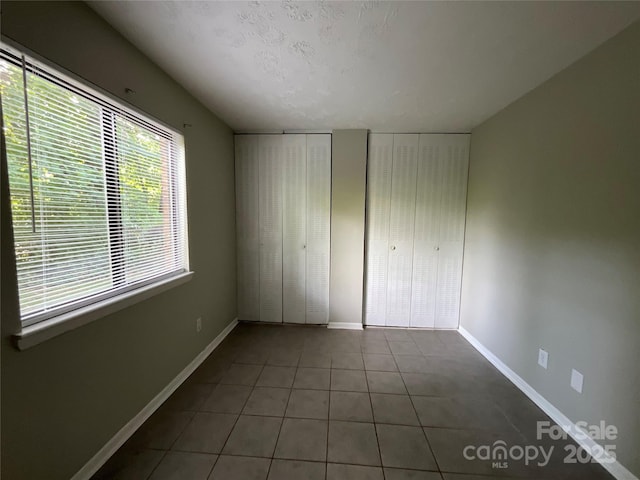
x=247 y=231
x=401 y=229
x=379 y=169
x=455 y=158
x=270 y=197
x=318 y=227
x=427 y=229
x=448 y=287
x=294 y=148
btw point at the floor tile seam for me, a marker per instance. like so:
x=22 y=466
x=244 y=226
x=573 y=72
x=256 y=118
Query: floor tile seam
x=157 y=465
x=217 y=455
x=352 y=391
x=507 y=477
x=468 y=429
x=426 y=437
x=326 y=462
x=415 y=469
x=274 y=386
x=379 y=465
x=275 y=446
x=236 y=422
x=213 y=466
x=328 y=428
x=182 y=430
x=203 y=452
x=291 y=459
x=263 y=415
x=306 y=418
x=508 y=418
x=311 y=388
x=375 y=430
x=398 y=424
x=352 y=421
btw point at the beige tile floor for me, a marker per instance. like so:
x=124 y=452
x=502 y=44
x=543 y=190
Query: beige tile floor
x=285 y=402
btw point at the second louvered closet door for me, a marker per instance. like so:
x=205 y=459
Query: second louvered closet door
x=416 y=196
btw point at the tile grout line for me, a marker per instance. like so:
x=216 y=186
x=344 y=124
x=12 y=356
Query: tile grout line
x=230 y=431
x=326 y=465
x=375 y=427
x=275 y=446
x=170 y=449
x=421 y=427
x=236 y=422
x=157 y=465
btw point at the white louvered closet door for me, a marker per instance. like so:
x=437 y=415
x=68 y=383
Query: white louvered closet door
x=454 y=152
x=294 y=219
x=318 y=228
x=401 y=229
x=248 y=242
x=270 y=221
x=427 y=230
x=416 y=202
x=379 y=168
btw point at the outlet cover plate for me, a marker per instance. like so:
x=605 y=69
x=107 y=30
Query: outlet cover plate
x=543 y=358
x=576 y=380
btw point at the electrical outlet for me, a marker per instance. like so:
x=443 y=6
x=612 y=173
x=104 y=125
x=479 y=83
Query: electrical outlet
x=576 y=380
x=543 y=358
x=198 y=324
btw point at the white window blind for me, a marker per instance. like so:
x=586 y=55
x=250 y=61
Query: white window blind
x=97 y=191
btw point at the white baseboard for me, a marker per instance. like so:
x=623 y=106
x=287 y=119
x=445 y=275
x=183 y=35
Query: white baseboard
x=101 y=457
x=345 y=325
x=610 y=464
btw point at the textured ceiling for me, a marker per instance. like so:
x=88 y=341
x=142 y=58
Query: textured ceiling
x=386 y=66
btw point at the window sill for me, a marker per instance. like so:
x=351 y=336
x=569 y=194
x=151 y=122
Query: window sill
x=42 y=331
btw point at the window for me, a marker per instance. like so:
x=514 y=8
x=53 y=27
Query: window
x=97 y=192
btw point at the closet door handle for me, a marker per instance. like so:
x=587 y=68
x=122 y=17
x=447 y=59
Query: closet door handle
x=436 y=248
x=393 y=247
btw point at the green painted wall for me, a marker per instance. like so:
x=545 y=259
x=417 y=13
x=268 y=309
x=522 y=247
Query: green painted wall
x=552 y=255
x=63 y=399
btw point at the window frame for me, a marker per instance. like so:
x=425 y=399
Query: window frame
x=38 y=327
